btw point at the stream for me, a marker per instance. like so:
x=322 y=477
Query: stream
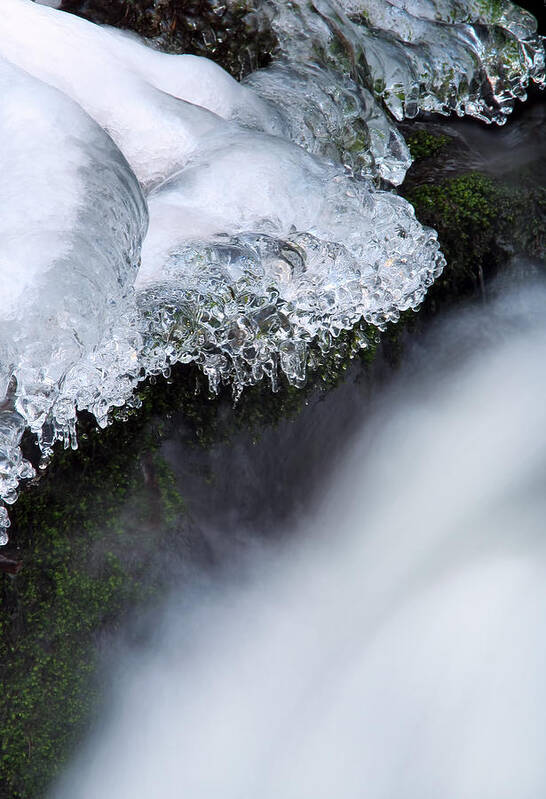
x=272 y=401
x=395 y=640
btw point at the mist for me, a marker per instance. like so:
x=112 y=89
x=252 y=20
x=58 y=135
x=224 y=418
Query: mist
x=394 y=647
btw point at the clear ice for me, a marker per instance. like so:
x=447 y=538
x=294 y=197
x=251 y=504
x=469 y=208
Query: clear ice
x=155 y=210
x=72 y=221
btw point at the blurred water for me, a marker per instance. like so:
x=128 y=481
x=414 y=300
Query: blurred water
x=396 y=646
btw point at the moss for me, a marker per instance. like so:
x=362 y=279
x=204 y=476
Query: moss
x=92 y=534
x=423 y=144
x=481 y=223
x=491 y=10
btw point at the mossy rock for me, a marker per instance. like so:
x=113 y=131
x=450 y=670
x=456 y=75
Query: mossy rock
x=92 y=535
x=482 y=222
x=425 y=144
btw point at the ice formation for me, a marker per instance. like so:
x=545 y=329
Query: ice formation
x=73 y=217
x=321 y=255
x=268 y=229
x=341 y=63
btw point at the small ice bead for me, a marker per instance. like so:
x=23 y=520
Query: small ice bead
x=4 y=524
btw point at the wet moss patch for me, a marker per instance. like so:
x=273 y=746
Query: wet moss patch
x=93 y=536
x=424 y=144
x=481 y=222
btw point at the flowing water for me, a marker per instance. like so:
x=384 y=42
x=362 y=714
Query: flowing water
x=395 y=644
x=376 y=626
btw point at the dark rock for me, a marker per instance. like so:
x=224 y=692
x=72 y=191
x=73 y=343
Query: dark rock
x=10 y=565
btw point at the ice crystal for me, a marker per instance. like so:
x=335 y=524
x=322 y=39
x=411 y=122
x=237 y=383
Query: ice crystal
x=269 y=230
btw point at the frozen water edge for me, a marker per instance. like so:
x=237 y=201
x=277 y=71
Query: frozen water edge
x=256 y=247
x=72 y=222
x=249 y=306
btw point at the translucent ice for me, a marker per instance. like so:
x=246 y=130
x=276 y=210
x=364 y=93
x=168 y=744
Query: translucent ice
x=305 y=252
x=126 y=87
x=267 y=230
x=71 y=225
x=340 y=64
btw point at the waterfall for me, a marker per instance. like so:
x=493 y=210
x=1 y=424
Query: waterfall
x=396 y=645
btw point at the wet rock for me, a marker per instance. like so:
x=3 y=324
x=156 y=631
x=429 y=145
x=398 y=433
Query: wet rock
x=483 y=191
x=9 y=565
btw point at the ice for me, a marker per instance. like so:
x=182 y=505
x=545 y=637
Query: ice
x=468 y=57
x=339 y=65
x=270 y=232
x=330 y=115
x=304 y=252
x=155 y=131
x=131 y=90
x=72 y=221
x=196 y=80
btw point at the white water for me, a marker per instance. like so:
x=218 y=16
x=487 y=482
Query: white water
x=398 y=648
x=267 y=230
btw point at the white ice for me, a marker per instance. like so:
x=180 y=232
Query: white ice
x=129 y=89
x=71 y=225
x=267 y=233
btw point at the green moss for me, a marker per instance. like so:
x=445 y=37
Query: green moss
x=491 y=10
x=481 y=223
x=423 y=144
x=89 y=534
